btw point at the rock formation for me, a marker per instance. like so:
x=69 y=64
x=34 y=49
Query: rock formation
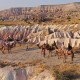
x=38 y=33
x=43 y=12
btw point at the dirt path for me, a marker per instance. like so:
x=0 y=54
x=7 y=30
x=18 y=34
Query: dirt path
x=34 y=55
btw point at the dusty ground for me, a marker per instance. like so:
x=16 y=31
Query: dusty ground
x=33 y=56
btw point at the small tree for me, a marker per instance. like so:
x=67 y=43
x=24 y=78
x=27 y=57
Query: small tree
x=68 y=17
x=25 y=40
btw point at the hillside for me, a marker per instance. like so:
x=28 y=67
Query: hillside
x=56 y=13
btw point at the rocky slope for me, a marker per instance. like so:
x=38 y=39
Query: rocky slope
x=70 y=10
x=38 y=33
x=35 y=34
x=9 y=73
x=61 y=72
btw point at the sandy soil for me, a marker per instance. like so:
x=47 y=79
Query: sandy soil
x=33 y=55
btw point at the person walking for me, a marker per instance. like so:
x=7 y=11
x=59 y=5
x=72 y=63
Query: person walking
x=69 y=47
x=27 y=46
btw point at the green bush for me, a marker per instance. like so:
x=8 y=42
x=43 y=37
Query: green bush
x=25 y=40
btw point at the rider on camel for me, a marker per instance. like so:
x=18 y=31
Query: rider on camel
x=69 y=47
x=54 y=44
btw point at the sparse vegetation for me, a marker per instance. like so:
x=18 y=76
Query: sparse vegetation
x=25 y=40
x=59 y=15
x=60 y=72
x=66 y=72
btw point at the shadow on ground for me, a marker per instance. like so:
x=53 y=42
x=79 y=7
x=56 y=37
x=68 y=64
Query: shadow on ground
x=31 y=49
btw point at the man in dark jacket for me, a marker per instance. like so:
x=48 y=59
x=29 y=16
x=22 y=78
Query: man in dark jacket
x=69 y=47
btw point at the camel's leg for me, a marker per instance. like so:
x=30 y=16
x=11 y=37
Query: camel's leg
x=3 y=50
x=72 y=56
x=44 y=53
x=8 y=50
x=58 y=55
x=55 y=53
x=50 y=54
x=61 y=53
x=41 y=52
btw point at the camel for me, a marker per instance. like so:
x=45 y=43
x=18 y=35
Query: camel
x=45 y=47
x=6 y=46
x=59 y=52
x=64 y=53
x=50 y=48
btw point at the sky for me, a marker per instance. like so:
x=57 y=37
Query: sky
x=5 y=4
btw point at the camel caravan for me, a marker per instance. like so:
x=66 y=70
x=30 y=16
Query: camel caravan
x=62 y=47
x=62 y=39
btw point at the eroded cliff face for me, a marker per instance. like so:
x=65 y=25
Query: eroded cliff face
x=42 y=33
x=28 y=73
x=35 y=34
x=41 y=72
x=71 y=10
x=9 y=73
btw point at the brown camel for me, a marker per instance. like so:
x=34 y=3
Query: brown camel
x=64 y=53
x=6 y=46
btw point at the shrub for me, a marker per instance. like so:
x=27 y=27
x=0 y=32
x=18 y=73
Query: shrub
x=59 y=75
x=25 y=40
